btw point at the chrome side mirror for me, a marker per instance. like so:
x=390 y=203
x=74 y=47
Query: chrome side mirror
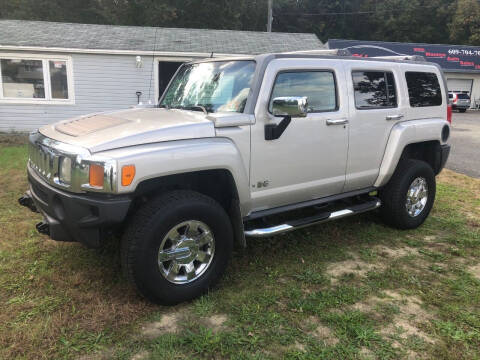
x=293 y=106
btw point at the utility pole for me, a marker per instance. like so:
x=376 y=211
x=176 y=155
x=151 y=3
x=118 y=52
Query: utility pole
x=270 y=16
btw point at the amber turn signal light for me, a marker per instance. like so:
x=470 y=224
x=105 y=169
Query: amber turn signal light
x=128 y=173
x=96 y=175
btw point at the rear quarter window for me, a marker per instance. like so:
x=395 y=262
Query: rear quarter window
x=374 y=89
x=423 y=89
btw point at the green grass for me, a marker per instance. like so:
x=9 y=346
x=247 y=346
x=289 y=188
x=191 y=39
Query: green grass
x=329 y=292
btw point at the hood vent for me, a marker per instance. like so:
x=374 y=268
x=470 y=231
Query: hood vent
x=86 y=125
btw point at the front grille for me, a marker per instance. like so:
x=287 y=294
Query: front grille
x=43 y=159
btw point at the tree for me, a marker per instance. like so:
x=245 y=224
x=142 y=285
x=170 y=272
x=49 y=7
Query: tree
x=465 y=25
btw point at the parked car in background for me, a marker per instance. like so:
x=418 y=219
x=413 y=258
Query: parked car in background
x=459 y=101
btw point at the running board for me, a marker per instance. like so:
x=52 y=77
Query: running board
x=315 y=219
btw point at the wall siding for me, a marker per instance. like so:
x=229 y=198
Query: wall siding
x=101 y=83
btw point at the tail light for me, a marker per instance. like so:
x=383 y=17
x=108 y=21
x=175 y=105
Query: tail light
x=449 y=113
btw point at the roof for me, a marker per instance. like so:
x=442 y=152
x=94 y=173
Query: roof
x=16 y=33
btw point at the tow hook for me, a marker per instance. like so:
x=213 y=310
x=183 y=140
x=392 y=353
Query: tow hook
x=27 y=201
x=43 y=228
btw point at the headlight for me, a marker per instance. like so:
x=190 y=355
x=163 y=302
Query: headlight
x=65 y=170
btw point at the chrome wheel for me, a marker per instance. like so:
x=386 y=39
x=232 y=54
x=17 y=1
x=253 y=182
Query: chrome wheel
x=186 y=252
x=417 y=196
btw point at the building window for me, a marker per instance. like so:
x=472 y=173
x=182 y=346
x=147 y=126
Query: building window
x=32 y=80
x=317 y=85
x=423 y=89
x=374 y=89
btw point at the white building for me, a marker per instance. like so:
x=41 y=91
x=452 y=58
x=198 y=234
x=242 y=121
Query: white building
x=53 y=71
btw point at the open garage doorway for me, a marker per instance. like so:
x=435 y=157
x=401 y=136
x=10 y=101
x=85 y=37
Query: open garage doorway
x=166 y=69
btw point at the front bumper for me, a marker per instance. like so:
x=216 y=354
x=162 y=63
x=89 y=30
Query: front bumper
x=73 y=217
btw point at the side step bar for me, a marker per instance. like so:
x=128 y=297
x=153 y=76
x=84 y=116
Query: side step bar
x=315 y=219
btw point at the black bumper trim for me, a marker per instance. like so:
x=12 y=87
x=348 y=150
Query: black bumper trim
x=444 y=153
x=73 y=217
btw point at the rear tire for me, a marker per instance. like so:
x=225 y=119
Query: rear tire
x=177 y=246
x=409 y=195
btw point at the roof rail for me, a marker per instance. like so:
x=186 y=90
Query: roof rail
x=401 y=57
x=333 y=52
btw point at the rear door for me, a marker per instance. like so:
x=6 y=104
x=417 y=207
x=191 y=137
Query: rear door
x=376 y=104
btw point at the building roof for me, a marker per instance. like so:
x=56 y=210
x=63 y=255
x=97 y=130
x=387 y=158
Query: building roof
x=41 y=34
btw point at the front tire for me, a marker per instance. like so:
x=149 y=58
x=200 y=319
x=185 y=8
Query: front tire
x=177 y=246
x=409 y=196
x=462 y=110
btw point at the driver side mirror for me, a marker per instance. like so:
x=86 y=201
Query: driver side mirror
x=293 y=106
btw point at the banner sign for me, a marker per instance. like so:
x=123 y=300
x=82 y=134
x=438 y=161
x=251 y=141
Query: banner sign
x=449 y=57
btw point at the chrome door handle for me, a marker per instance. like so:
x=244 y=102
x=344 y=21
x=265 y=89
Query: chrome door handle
x=337 y=121
x=394 y=117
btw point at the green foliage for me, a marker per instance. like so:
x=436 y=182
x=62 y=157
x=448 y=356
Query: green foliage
x=435 y=21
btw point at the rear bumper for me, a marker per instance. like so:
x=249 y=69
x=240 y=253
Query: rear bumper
x=461 y=106
x=72 y=217
x=442 y=157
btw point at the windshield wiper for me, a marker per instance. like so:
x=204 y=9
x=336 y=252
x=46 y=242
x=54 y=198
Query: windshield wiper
x=188 y=107
x=196 y=107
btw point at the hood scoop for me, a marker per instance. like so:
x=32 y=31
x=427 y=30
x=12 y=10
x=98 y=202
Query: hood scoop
x=86 y=125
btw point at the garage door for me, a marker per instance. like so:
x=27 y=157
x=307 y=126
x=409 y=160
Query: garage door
x=460 y=85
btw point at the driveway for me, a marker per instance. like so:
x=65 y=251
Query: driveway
x=465 y=141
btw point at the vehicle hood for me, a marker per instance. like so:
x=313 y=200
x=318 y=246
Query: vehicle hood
x=106 y=131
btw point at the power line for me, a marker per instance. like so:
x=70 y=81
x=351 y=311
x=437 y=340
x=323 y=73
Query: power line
x=351 y=12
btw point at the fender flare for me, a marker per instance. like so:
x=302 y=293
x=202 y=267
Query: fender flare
x=402 y=135
x=184 y=156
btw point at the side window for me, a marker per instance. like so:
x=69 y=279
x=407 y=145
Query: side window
x=318 y=86
x=374 y=89
x=423 y=89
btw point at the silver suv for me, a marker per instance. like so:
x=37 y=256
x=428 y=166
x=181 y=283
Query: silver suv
x=460 y=101
x=233 y=143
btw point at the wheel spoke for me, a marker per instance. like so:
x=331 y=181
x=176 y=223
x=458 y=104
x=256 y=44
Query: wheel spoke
x=192 y=229
x=203 y=256
x=204 y=238
x=190 y=271
x=173 y=271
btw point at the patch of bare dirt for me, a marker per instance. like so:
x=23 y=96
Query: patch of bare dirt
x=169 y=323
x=406 y=322
x=299 y=346
x=13 y=138
x=410 y=316
x=475 y=270
x=366 y=353
x=354 y=266
x=395 y=253
x=321 y=332
x=102 y=355
x=215 y=322
x=142 y=355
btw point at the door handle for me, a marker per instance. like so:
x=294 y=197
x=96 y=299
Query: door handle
x=394 y=117
x=336 y=122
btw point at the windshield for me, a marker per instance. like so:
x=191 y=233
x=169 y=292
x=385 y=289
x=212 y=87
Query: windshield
x=217 y=86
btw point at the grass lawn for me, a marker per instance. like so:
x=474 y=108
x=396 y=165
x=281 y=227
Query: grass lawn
x=352 y=289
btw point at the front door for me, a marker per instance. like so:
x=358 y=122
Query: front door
x=308 y=160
